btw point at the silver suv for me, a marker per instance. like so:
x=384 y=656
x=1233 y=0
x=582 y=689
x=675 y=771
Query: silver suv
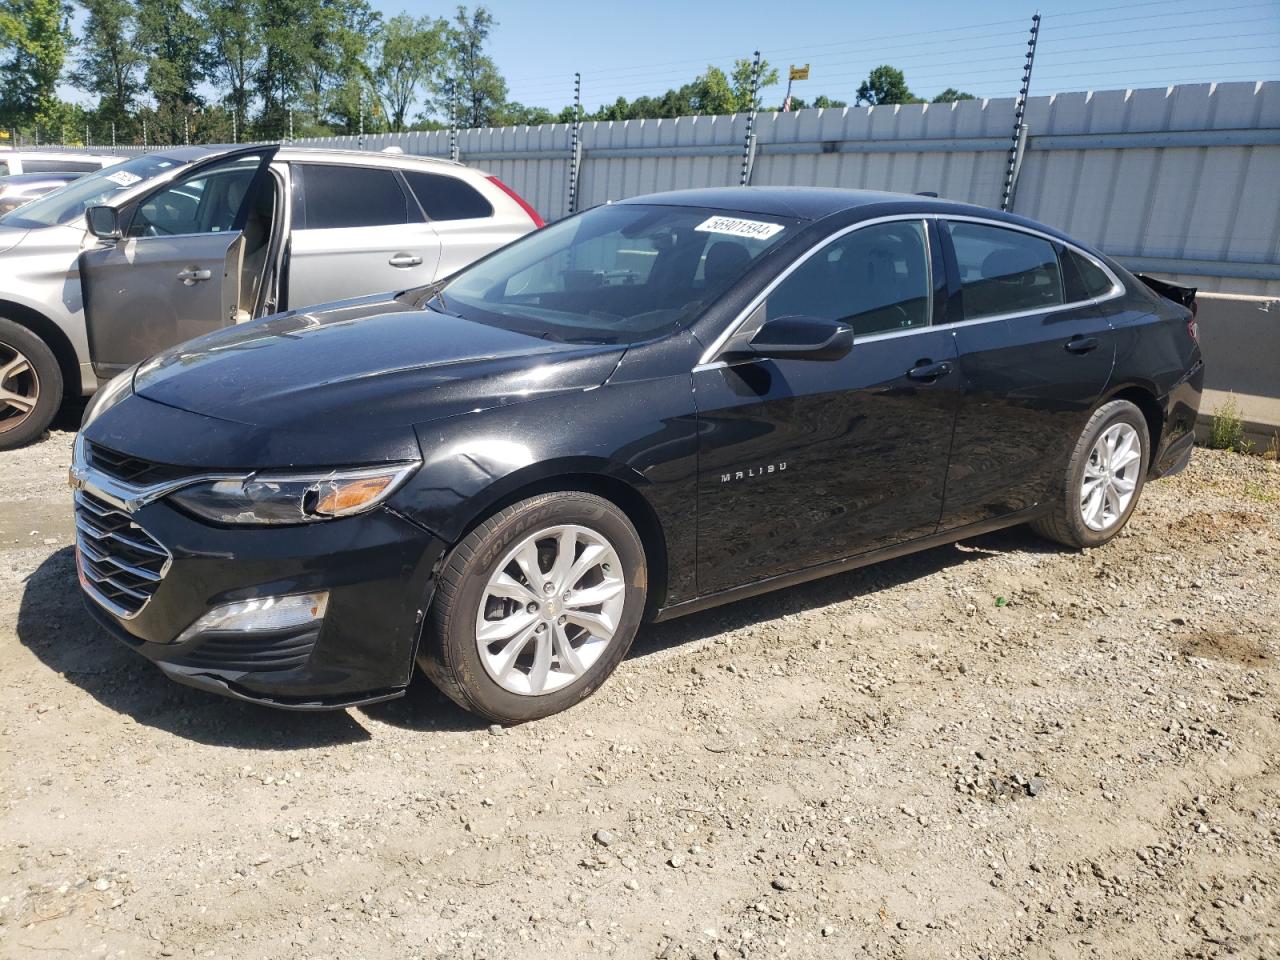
x=170 y=245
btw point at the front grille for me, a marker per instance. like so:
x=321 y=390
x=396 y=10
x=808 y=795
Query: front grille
x=132 y=470
x=121 y=565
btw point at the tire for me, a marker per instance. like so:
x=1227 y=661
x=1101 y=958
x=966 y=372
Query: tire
x=30 y=385
x=1077 y=522
x=485 y=586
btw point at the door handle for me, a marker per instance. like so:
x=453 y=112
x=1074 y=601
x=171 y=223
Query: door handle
x=404 y=260
x=1079 y=344
x=188 y=277
x=928 y=371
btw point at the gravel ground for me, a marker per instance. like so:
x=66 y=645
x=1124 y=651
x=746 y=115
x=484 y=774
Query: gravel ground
x=996 y=749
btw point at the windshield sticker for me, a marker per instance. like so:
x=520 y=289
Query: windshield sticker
x=750 y=229
x=124 y=178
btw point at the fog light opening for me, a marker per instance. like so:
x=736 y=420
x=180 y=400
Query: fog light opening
x=261 y=615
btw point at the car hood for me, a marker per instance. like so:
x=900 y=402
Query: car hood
x=359 y=363
x=10 y=237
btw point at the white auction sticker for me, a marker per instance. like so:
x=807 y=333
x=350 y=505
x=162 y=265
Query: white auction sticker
x=124 y=178
x=751 y=229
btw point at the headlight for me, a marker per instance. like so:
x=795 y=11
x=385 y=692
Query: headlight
x=307 y=498
x=117 y=389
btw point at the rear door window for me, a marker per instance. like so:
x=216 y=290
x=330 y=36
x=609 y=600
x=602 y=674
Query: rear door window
x=1004 y=271
x=336 y=197
x=447 y=198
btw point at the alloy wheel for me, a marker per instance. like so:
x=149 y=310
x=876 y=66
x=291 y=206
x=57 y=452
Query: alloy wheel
x=550 y=609
x=19 y=388
x=1110 y=476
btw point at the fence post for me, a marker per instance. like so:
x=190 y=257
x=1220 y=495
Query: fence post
x=575 y=149
x=113 y=135
x=1019 y=145
x=452 y=87
x=749 y=144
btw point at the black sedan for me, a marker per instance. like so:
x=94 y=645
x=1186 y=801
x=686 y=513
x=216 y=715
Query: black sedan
x=638 y=412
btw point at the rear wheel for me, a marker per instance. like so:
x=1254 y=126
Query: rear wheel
x=1104 y=478
x=30 y=385
x=536 y=607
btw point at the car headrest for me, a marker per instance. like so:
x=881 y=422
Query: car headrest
x=1011 y=264
x=724 y=261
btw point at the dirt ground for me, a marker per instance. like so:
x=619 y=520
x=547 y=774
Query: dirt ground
x=996 y=749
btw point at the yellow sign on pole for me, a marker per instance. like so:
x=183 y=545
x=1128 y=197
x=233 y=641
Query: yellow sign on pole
x=799 y=73
x=4 y=134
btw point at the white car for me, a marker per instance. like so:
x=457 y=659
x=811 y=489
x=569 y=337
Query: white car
x=51 y=161
x=169 y=245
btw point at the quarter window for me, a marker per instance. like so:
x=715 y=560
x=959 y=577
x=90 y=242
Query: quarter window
x=1084 y=279
x=336 y=196
x=876 y=279
x=1004 y=271
x=447 y=198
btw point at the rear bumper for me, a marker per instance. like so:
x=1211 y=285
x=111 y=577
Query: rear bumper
x=375 y=568
x=1181 y=405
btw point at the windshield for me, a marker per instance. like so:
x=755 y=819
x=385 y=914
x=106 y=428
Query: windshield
x=615 y=274
x=66 y=203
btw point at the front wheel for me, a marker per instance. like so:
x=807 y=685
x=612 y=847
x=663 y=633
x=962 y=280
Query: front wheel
x=30 y=385
x=1103 y=480
x=536 y=607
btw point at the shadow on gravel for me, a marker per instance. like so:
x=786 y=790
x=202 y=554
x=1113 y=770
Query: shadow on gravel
x=864 y=581
x=53 y=624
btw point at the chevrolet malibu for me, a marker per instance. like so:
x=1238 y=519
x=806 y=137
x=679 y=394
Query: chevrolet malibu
x=641 y=411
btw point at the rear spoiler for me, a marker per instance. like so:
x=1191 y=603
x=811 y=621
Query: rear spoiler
x=1183 y=296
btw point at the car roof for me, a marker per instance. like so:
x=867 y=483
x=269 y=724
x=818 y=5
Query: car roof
x=817 y=203
x=293 y=151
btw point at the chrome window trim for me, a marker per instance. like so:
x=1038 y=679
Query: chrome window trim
x=709 y=359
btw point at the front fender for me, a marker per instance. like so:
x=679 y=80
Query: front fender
x=641 y=434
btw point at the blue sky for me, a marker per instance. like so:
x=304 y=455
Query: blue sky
x=634 y=48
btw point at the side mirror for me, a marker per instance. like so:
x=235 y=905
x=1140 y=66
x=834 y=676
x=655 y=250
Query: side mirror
x=802 y=338
x=103 y=222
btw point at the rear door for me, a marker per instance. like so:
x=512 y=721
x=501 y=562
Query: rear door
x=356 y=230
x=176 y=273
x=1036 y=355
x=463 y=218
x=802 y=461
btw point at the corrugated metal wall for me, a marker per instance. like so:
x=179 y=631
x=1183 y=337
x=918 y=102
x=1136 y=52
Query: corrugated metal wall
x=1183 y=181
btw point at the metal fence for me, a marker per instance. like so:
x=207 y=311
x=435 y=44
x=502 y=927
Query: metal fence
x=1180 y=180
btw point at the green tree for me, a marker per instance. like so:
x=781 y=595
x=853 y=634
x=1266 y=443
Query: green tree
x=173 y=42
x=478 y=87
x=741 y=77
x=513 y=114
x=951 y=95
x=338 y=82
x=109 y=63
x=410 y=52
x=884 y=85
x=36 y=36
x=825 y=102
x=234 y=52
